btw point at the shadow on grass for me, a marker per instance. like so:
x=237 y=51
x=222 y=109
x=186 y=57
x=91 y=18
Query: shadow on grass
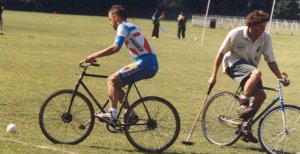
x=118 y=149
x=16 y=35
x=257 y=149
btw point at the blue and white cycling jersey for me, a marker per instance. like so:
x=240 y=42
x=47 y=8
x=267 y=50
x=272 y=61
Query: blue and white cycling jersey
x=145 y=64
x=134 y=40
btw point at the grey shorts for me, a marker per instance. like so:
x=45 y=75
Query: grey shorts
x=240 y=72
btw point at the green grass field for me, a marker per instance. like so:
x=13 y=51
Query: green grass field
x=39 y=54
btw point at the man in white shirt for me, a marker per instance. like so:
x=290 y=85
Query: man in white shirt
x=241 y=52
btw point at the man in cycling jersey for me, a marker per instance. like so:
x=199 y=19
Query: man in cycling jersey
x=241 y=52
x=144 y=66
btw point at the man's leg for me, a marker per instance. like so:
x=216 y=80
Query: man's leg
x=249 y=87
x=183 y=32
x=115 y=92
x=251 y=83
x=178 y=32
x=156 y=30
x=259 y=97
x=153 y=31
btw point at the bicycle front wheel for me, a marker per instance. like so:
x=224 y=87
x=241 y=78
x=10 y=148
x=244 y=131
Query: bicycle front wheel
x=157 y=127
x=62 y=127
x=220 y=122
x=274 y=137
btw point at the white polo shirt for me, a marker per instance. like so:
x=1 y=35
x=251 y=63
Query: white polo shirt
x=237 y=45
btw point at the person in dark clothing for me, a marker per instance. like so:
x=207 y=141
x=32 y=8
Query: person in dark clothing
x=1 y=20
x=181 y=25
x=156 y=20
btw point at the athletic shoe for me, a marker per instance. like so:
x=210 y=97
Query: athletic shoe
x=249 y=137
x=245 y=112
x=106 y=117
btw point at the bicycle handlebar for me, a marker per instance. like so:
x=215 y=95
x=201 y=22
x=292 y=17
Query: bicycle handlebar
x=284 y=81
x=83 y=64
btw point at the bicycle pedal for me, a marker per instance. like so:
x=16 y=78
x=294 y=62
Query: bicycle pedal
x=108 y=121
x=245 y=139
x=101 y=119
x=119 y=128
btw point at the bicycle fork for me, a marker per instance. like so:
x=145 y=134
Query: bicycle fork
x=75 y=90
x=67 y=116
x=282 y=111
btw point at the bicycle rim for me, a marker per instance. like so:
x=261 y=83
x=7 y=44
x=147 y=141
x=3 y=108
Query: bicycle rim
x=60 y=127
x=220 y=121
x=272 y=135
x=158 y=126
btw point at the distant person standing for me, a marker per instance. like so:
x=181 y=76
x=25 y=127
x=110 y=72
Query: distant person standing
x=156 y=19
x=181 y=25
x=1 y=20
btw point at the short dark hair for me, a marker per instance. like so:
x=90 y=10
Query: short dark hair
x=118 y=10
x=256 y=17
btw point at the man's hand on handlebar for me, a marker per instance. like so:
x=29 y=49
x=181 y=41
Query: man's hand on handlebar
x=83 y=63
x=284 y=80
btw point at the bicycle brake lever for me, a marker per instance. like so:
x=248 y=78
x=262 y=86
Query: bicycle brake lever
x=94 y=63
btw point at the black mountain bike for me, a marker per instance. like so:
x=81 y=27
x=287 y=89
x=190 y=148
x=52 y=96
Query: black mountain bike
x=67 y=117
x=278 y=129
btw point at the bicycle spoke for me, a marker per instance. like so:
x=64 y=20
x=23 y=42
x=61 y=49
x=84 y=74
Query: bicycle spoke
x=280 y=140
x=161 y=125
x=58 y=125
x=219 y=122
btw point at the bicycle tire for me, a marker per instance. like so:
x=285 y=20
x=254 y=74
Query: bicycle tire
x=158 y=126
x=269 y=128
x=219 y=120
x=60 y=127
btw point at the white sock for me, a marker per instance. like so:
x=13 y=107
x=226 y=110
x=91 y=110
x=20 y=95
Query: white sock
x=114 y=112
x=245 y=97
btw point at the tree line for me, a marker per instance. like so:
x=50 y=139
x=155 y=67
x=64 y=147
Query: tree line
x=288 y=9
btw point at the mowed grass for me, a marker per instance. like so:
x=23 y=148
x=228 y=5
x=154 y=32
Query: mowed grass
x=39 y=54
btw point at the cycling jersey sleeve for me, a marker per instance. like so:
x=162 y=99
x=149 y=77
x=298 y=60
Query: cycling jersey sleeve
x=119 y=40
x=122 y=32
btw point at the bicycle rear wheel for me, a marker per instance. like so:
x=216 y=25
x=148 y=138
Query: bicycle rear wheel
x=62 y=127
x=272 y=135
x=158 y=125
x=220 y=122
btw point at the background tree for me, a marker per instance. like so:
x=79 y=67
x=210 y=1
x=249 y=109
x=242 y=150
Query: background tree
x=288 y=9
x=144 y=8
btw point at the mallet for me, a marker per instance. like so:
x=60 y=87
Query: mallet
x=187 y=141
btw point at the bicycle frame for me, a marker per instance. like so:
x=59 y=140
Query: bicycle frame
x=80 y=82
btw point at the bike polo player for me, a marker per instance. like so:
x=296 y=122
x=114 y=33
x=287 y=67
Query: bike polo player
x=241 y=52
x=144 y=66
